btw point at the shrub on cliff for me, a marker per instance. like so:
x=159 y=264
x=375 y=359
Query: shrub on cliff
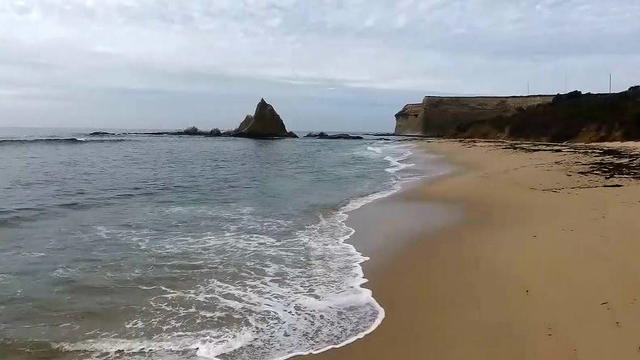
x=568 y=96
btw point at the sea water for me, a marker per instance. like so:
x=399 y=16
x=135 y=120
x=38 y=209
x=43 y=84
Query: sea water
x=175 y=247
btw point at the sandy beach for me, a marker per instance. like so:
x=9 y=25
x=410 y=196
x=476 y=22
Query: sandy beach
x=537 y=259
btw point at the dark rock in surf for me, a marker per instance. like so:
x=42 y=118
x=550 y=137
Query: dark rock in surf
x=192 y=130
x=101 y=133
x=323 y=135
x=382 y=134
x=315 y=134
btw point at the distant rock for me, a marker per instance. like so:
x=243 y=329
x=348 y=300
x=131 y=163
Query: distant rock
x=342 y=136
x=323 y=135
x=192 y=130
x=215 y=132
x=158 y=133
x=265 y=123
x=315 y=134
x=101 y=133
x=382 y=134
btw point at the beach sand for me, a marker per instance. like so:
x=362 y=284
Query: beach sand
x=541 y=262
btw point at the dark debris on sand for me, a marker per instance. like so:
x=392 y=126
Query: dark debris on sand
x=606 y=162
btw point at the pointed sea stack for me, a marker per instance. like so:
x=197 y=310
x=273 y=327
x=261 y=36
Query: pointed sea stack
x=265 y=123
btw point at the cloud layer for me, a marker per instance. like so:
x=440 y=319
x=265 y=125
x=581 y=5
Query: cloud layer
x=151 y=63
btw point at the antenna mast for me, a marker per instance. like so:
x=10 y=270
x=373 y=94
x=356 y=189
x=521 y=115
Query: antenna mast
x=609 y=83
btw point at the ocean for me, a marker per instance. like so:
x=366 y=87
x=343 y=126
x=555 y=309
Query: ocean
x=177 y=247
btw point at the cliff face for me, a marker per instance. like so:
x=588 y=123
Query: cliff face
x=409 y=120
x=567 y=117
x=441 y=116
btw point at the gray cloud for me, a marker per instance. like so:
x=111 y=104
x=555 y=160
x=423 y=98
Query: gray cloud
x=159 y=63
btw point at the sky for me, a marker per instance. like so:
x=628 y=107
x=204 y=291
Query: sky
x=323 y=64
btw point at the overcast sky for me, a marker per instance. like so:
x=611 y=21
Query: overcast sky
x=324 y=64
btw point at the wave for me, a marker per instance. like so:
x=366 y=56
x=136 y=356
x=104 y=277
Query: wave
x=397 y=165
x=69 y=140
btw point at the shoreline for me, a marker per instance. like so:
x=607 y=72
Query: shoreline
x=389 y=204
x=363 y=214
x=391 y=217
x=530 y=271
x=357 y=214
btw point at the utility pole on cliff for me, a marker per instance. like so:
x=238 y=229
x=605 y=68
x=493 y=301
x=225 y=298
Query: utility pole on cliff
x=528 y=92
x=609 y=83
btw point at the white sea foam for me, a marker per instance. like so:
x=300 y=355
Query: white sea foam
x=212 y=350
x=396 y=164
x=377 y=150
x=64 y=272
x=33 y=254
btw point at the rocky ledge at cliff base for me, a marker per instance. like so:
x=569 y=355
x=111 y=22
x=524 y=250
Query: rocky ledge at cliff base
x=264 y=123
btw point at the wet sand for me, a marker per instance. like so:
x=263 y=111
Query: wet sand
x=543 y=263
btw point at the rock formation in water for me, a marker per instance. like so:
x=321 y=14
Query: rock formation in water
x=573 y=117
x=324 y=135
x=265 y=123
x=190 y=131
x=101 y=133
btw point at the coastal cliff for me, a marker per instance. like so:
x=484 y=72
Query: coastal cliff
x=574 y=117
x=440 y=116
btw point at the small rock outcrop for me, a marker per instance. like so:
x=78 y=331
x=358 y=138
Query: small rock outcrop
x=192 y=130
x=265 y=123
x=101 y=133
x=324 y=135
x=315 y=134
